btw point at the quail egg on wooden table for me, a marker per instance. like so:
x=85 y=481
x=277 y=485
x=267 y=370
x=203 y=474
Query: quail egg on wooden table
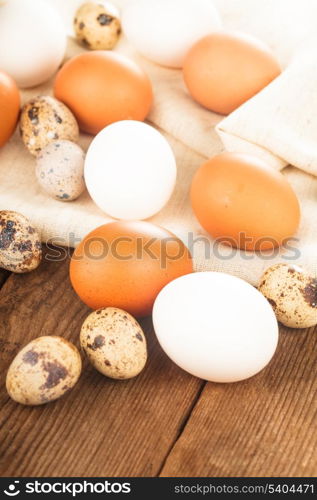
x=60 y=170
x=44 y=370
x=114 y=343
x=45 y=119
x=97 y=25
x=292 y=293
x=20 y=244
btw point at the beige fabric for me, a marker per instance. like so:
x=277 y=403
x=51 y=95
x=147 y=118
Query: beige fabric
x=190 y=131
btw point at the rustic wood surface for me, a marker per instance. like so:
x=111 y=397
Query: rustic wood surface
x=164 y=422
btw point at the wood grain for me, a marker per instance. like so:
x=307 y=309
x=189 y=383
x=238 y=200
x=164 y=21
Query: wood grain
x=102 y=427
x=264 y=426
x=164 y=422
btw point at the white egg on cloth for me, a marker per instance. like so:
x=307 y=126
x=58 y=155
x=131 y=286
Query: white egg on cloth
x=32 y=41
x=130 y=170
x=60 y=170
x=164 y=31
x=215 y=326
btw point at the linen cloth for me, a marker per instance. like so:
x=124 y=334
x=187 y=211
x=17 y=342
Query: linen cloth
x=279 y=125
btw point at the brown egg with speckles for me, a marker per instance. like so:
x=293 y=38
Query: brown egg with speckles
x=44 y=120
x=114 y=343
x=44 y=370
x=292 y=292
x=20 y=244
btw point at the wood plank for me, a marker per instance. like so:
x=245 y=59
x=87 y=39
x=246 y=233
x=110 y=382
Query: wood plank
x=264 y=426
x=102 y=427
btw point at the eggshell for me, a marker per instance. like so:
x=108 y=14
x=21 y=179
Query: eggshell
x=130 y=170
x=225 y=69
x=215 y=326
x=97 y=26
x=9 y=107
x=126 y=264
x=60 y=170
x=245 y=203
x=292 y=293
x=114 y=343
x=164 y=31
x=33 y=38
x=103 y=87
x=43 y=120
x=44 y=370
x=20 y=244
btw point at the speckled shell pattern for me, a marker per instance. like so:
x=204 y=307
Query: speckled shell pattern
x=20 y=244
x=114 y=343
x=60 y=170
x=95 y=27
x=292 y=293
x=44 y=370
x=45 y=119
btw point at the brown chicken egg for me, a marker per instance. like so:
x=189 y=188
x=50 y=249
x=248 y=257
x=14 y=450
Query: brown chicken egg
x=225 y=69
x=126 y=264
x=9 y=107
x=103 y=87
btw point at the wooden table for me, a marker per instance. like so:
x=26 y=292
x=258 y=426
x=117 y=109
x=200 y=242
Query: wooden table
x=163 y=423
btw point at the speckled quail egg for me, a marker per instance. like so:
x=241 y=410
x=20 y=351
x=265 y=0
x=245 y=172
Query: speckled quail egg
x=20 y=244
x=45 y=119
x=97 y=25
x=60 y=170
x=292 y=292
x=114 y=343
x=44 y=370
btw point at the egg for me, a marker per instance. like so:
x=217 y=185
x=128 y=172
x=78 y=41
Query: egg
x=114 y=343
x=9 y=107
x=97 y=25
x=245 y=203
x=34 y=39
x=215 y=326
x=44 y=370
x=292 y=292
x=225 y=69
x=20 y=243
x=103 y=87
x=60 y=170
x=164 y=31
x=126 y=264
x=130 y=170
x=43 y=120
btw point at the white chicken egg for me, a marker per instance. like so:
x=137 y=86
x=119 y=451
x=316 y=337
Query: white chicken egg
x=215 y=326
x=130 y=170
x=33 y=39
x=164 y=31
